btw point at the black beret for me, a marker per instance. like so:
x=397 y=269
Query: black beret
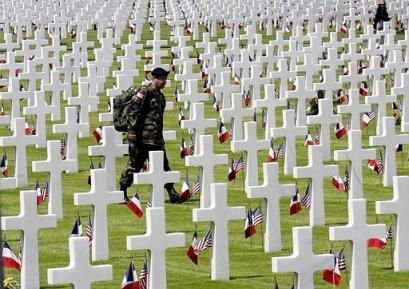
x=159 y=72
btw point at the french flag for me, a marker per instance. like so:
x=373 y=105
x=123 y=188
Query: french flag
x=295 y=205
x=249 y=228
x=338 y=183
x=271 y=155
x=135 y=206
x=232 y=172
x=223 y=133
x=308 y=140
x=9 y=259
x=130 y=280
x=185 y=193
x=97 y=133
x=379 y=243
x=191 y=251
x=373 y=165
x=333 y=276
x=363 y=89
x=183 y=149
x=340 y=130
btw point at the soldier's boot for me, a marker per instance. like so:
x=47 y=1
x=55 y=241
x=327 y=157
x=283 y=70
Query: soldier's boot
x=174 y=196
x=125 y=190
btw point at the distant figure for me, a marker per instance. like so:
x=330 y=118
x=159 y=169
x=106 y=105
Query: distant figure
x=381 y=15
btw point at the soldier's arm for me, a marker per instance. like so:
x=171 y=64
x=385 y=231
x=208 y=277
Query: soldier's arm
x=135 y=112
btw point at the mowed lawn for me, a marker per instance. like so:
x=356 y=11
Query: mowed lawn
x=250 y=267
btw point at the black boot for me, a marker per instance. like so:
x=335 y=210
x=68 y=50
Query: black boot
x=125 y=190
x=173 y=195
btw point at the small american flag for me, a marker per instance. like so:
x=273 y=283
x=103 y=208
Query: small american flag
x=380 y=163
x=306 y=199
x=63 y=149
x=280 y=151
x=148 y=201
x=341 y=260
x=389 y=234
x=205 y=243
x=90 y=231
x=143 y=277
x=317 y=136
x=191 y=145
x=239 y=165
x=346 y=180
x=257 y=216
x=195 y=186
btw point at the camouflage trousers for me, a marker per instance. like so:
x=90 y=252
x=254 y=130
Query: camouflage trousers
x=138 y=154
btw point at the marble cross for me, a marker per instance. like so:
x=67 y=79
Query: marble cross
x=402 y=90
x=207 y=160
x=289 y=131
x=112 y=147
x=157 y=241
x=358 y=232
x=30 y=222
x=271 y=190
x=157 y=178
x=99 y=197
x=79 y=272
x=355 y=154
x=55 y=166
x=354 y=108
x=301 y=94
x=316 y=170
x=389 y=139
x=219 y=213
x=398 y=206
x=303 y=261
x=19 y=140
x=251 y=145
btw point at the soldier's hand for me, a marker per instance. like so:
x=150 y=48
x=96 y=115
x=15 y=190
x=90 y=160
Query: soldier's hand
x=132 y=136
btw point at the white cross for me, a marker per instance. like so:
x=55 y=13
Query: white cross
x=156 y=177
x=375 y=69
x=30 y=222
x=329 y=84
x=157 y=241
x=191 y=94
x=398 y=206
x=283 y=74
x=84 y=100
x=219 y=213
x=111 y=148
x=301 y=94
x=316 y=171
x=355 y=154
x=310 y=68
x=402 y=90
x=20 y=140
x=358 y=232
x=289 y=131
x=381 y=99
x=99 y=197
x=251 y=145
x=15 y=95
x=224 y=90
x=55 y=166
x=303 y=261
x=254 y=81
x=325 y=118
x=235 y=114
x=271 y=190
x=353 y=77
x=207 y=160
x=79 y=272
x=389 y=139
x=354 y=108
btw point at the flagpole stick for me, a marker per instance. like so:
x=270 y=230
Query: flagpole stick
x=251 y=216
x=392 y=240
x=262 y=231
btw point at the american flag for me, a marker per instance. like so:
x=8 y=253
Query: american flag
x=143 y=277
x=45 y=191
x=341 y=260
x=346 y=180
x=195 y=187
x=148 y=201
x=257 y=216
x=205 y=243
x=367 y=117
x=380 y=163
x=389 y=234
x=63 y=149
x=306 y=199
x=191 y=145
x=247 y=98
x=239 y=165
x=90 y=231
x=280 y=151
x=317 y=137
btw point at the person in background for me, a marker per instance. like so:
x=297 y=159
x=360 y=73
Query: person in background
x=381 y=15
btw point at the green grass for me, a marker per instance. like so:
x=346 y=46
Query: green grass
x=250 y=267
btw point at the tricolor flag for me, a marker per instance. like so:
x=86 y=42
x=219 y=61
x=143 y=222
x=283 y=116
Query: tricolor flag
x=183 y=151
x=333 y=275
x=341 y=97
x=205 y=243
x=143 y=277
x=206 y=85
x=338 y=183
x=249 y=228
x=223 y=133
x=37 y=188
x=373 y=165
x=344 y=27
x=90 y=231
x=134 y=204
x=308 y=140
x=195 y=187
x=9 y=259
x=44 y=191
x=181 y=116
x=295 y=204
x=363 y=89
x=361 y=67
x=191 y=253
x=395 y=108
x=345 y=70
x=130 y=280
x=379 y=243
x=97 y=133
x=247 y=98
x=232 y=171
x=28 y=130
x=4 y=165
x=215 y=105
x=76 y=230
x=366 y=118
x=399 y=148
x=340 y=130
x=185 y=191
x=271 y=157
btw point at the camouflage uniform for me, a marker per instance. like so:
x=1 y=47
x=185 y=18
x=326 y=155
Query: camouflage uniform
x=145 y=120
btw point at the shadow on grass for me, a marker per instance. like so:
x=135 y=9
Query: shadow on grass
x=245 y=277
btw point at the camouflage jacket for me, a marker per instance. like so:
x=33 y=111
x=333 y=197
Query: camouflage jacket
x=145 y=115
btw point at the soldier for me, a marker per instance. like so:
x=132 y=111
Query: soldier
x=144 y=126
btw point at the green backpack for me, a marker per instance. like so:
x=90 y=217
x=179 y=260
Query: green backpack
x=121 y=102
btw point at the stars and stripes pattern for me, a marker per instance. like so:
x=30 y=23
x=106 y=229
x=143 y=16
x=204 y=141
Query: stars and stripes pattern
x=143 y=276
x=90 y=231
x=306 y=199
x=196 y=186
x=341 y=260
x=63 y=149
x=205 y=243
